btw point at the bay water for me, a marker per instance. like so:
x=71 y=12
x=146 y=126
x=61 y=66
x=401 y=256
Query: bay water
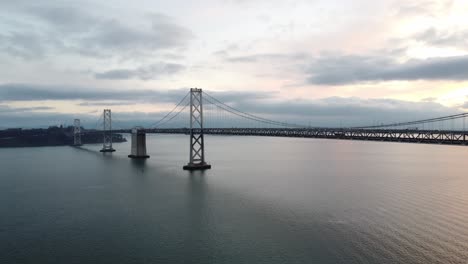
x=265 y=200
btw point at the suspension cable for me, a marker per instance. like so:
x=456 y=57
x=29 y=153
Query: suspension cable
x=173 y=116
x=247 y=115
x=162 y=119
x=430 y=120
x=235 y=113
x=98 y=122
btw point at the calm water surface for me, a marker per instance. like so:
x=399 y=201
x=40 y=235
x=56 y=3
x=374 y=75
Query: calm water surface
x=266 y=200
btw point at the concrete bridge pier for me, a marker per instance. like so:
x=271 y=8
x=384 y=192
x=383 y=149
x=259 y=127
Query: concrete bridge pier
x=138 y=150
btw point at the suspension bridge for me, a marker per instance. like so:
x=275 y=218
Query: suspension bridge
x=199 y=113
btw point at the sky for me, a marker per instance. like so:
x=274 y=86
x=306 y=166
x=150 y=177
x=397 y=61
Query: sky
x=316 y=61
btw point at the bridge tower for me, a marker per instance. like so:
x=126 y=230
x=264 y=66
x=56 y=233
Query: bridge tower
x=77 y=133
x=197 y=146
x=107 y=131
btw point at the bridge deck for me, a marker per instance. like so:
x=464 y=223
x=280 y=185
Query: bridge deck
x=451 y=137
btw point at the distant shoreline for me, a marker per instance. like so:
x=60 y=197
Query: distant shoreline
x=49 y=137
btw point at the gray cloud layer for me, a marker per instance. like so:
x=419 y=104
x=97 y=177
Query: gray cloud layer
x=441 y=38
x=30 y=92
x=54 y=28
x=423 y=8
x=6 y=109
x=337 y=69
x=268 y=57
x=342 y=70
x=154 y=71
x=331 y=69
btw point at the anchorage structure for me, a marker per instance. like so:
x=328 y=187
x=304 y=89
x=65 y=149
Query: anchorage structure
x=77 y=133
x=197 y=146
x=107 y=131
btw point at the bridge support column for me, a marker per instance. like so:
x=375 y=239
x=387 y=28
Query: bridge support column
x=138 y=150
x=107 y=131
x=77 y=133
x=197 y=146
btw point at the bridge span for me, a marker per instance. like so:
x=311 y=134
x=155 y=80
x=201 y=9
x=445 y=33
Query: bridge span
x=449 y=137
x=198 y=114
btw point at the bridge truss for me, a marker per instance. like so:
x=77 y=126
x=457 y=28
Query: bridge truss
x=392 y=135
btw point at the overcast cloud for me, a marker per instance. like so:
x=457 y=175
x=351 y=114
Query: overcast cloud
x=342 y=70
x=317 y=61
x=27 y=92
x=154 y=71
x=61 y=28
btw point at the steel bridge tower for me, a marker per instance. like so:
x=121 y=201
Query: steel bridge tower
x=77 y=133
x=197 y=146
x=107 y=131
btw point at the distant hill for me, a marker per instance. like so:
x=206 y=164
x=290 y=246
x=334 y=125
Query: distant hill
x=52 y=136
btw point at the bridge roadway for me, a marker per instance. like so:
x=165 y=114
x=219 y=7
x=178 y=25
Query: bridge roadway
x=449 y=137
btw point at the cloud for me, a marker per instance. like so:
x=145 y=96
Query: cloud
x=113 y=35
x=144 y=73
x=8 y=109
x=349 y=69
x=31 y=92
x=96 y=96
x=267 y=57
x=337 y=69
x=239 y=96
x=444 y=38
x=107 y=103
x=422 y=7
x=336 y=106
x=429 y=99
x=65 y=19
x=464 y=105
x=23 y=45
x=49 y=29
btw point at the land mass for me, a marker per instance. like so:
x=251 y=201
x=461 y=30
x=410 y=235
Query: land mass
x=52 y=136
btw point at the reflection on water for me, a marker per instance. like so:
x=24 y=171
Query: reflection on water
x=266 y=200
x=197 y=219
x=138 y=164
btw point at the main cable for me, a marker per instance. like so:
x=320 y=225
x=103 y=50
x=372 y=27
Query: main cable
x=249 y=116
x=174 y=115
x=416 y=122
x=162 y=119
